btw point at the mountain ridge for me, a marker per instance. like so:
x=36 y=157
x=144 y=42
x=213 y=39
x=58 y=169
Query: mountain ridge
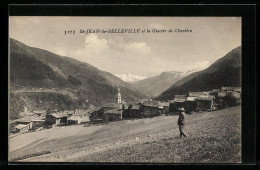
x=226 y=71
x=159 y=82
x=32 y=67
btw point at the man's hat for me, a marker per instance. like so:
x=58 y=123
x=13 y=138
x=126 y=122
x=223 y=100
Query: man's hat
x=181 y=109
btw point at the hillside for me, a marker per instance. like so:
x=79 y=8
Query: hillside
x=226 y=71
x=153 y=86
x=213 y=137
x=34 y=68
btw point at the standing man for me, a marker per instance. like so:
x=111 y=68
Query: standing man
x=181 y=121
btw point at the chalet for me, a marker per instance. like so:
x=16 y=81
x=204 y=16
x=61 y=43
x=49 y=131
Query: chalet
x=204 y=102
x=142 y=101
x=112 y=115
x=150 y=109
x=177 y=102
x=36 y=123
x=228 y=98
x=56 y=118
x=164 y=107
x=95 y=113
x=134 y=111
x=75 y=119
x=191 y=104
x=21 y=128
x=24 y=122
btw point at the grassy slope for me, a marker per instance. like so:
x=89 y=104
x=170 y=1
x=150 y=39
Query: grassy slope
x=212 y=137
x=210 y=140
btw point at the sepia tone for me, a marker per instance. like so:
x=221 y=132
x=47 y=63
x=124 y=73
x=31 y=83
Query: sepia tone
x=125 y=89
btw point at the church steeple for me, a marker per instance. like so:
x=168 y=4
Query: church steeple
x=118 y=96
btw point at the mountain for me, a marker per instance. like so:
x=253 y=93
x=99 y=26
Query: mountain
x=226 y=71
x=153 y=86
x=34 y=68
x=130 y=77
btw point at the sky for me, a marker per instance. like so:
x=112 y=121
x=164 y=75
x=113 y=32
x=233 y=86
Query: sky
x=133 y=55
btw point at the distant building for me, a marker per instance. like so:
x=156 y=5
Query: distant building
x=36 y=123
x=56 y=118
x=150 y=109
x=24 y=122
x=95 y=113
x=204 y=102
x=75 y=119
x=118 y=96
x=112 y=115
x=134 y=111
x=164 y=107
x=21 y=128
x=145 y=100
x=228 y=98
x=191 y=104
x=177 y=102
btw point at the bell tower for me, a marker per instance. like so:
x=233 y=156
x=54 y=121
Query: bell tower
x=118 y=96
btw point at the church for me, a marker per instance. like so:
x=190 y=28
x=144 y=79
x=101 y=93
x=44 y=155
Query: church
x=118 y=97
x=113 y=111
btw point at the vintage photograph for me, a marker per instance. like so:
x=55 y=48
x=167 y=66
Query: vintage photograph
x=125 y=89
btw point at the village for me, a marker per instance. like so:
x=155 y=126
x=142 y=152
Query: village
x=118 y=110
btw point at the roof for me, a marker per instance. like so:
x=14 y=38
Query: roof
x=191 y=99
x=68 y=112
x=38 y=120
x=136 y=107
x=207 y=97
x=95 y=109
x=180 y=96
x=195 y=94
x=74 y=118
x=20 y=126
x=59 y=115
x=114 y=111
x=28 y=119
x=162 y=104
x=151 y=104
x=179 y=100
x=112 y=105
x=145 y=100
x=171 y=101
x=23 y=121
x=81 y=112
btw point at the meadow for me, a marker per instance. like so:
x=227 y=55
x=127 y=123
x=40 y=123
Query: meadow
x=212 y=137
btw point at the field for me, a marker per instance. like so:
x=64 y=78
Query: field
x=213 y=137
